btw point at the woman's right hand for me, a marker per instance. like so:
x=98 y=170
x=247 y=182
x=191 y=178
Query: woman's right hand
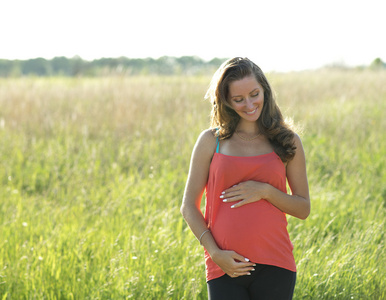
x=232 y=263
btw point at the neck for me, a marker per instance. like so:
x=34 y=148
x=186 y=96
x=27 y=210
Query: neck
x=250 y=128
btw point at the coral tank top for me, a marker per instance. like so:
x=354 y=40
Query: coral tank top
x=257 y=230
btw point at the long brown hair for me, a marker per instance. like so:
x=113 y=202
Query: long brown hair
x=225 y=119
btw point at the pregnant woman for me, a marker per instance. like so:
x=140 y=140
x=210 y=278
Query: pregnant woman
x=242 y=163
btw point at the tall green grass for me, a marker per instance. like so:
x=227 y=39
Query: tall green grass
x=93 y=171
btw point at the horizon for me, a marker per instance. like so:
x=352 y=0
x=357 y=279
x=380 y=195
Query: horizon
x=329 y=65
x=278 y=36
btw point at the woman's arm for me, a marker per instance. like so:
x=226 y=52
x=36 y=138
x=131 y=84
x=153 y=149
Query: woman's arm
x=297 y=204
x=190 y=208
x=195 y=186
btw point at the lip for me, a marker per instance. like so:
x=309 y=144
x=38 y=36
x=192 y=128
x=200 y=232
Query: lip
x=251 y=112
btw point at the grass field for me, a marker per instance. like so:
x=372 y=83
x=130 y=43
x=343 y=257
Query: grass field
x=93 y=171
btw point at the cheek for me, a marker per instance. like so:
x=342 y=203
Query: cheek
x=236 y=106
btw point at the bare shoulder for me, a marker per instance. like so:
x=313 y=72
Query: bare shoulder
x=299 y=152
x=208 y=136
x=206 y=142
x=298 y=141
x=207 y=139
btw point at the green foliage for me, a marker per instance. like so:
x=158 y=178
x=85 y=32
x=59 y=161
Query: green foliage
x=76 y=66
x=378 y=64
x=93 y=171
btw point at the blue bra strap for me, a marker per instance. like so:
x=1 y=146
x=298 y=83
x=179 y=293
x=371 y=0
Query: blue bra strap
x=217 y=141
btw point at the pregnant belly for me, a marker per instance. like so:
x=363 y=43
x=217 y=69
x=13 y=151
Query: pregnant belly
x=254 y=223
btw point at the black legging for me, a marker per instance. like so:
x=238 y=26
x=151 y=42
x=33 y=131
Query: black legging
x=266 y=282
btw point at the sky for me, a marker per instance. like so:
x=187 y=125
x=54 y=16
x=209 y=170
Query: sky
x=278 y=35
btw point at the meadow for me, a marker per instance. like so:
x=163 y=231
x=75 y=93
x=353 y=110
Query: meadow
x=92 y=173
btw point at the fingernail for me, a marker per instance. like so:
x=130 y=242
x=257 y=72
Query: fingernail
x=254 y=265
x=225 y=200
x=222 y=196
x=233 y=206
x=246 y=259
x=253 y=270
x=249 y=274
x=223 y=193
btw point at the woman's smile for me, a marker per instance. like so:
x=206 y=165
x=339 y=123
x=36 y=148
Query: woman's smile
x=251 y=112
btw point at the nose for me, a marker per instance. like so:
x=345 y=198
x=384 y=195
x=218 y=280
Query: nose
x=250 y=103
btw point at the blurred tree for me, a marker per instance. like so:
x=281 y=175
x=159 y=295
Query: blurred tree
x=216 y=62
x=5 y=67
x=61 y=66
x=76 y=66
x=37 y=66
x=377 y=64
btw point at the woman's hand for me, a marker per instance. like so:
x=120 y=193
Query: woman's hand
x=296 y=204
x=233 y=264
x=245 y=192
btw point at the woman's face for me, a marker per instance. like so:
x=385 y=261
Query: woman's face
x=246 y=97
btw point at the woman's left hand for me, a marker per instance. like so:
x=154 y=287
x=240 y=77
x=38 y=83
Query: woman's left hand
x=245 y=192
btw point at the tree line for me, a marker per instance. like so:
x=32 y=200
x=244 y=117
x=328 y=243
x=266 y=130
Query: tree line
x=76 y=66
